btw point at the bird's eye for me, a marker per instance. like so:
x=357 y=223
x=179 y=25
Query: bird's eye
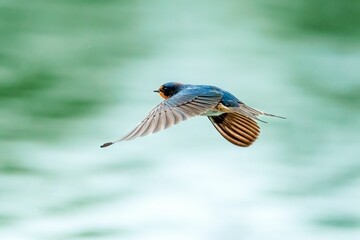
x=162 y=89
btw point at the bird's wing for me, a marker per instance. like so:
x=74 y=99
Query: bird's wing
x=236 y=128
x=172 y=111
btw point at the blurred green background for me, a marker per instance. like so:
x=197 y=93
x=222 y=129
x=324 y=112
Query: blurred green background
x=75 y=74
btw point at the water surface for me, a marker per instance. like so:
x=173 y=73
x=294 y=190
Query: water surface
x=75 y=74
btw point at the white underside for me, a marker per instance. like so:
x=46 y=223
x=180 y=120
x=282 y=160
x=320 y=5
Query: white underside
x=212 y=113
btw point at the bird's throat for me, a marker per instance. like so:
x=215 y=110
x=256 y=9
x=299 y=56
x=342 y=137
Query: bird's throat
x=163 y=95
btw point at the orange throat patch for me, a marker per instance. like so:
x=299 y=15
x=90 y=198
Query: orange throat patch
x=163 y=96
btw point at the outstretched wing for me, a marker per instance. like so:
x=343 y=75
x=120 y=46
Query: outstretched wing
x=172 y=111
x=236 y=128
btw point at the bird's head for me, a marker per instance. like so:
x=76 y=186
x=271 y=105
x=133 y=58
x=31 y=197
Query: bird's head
x=167 y=90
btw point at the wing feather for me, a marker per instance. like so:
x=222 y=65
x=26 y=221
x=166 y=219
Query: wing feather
x=178 y=116
x=161 y=123
x=178 y=108
x=236 y=128
x=170 y=119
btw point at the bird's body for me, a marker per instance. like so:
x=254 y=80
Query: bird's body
x=234 y=120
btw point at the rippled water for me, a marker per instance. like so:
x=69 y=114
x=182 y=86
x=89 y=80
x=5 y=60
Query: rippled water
x=75 y=74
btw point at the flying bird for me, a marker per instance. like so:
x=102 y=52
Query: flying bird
x=234 y=120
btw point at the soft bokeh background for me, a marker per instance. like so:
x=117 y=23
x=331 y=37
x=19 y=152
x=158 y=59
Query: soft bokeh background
x=76 y=73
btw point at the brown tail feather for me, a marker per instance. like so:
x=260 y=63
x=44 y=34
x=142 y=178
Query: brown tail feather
x=236 y=128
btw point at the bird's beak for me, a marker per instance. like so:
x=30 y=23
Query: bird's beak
x=156 y=91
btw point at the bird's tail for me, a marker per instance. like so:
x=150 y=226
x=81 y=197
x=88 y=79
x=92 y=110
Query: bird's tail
x=252 y=112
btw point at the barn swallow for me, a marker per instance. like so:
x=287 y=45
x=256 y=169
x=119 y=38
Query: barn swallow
x=234 y=120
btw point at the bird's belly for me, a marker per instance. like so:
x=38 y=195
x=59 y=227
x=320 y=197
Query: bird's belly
x=212 y=113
